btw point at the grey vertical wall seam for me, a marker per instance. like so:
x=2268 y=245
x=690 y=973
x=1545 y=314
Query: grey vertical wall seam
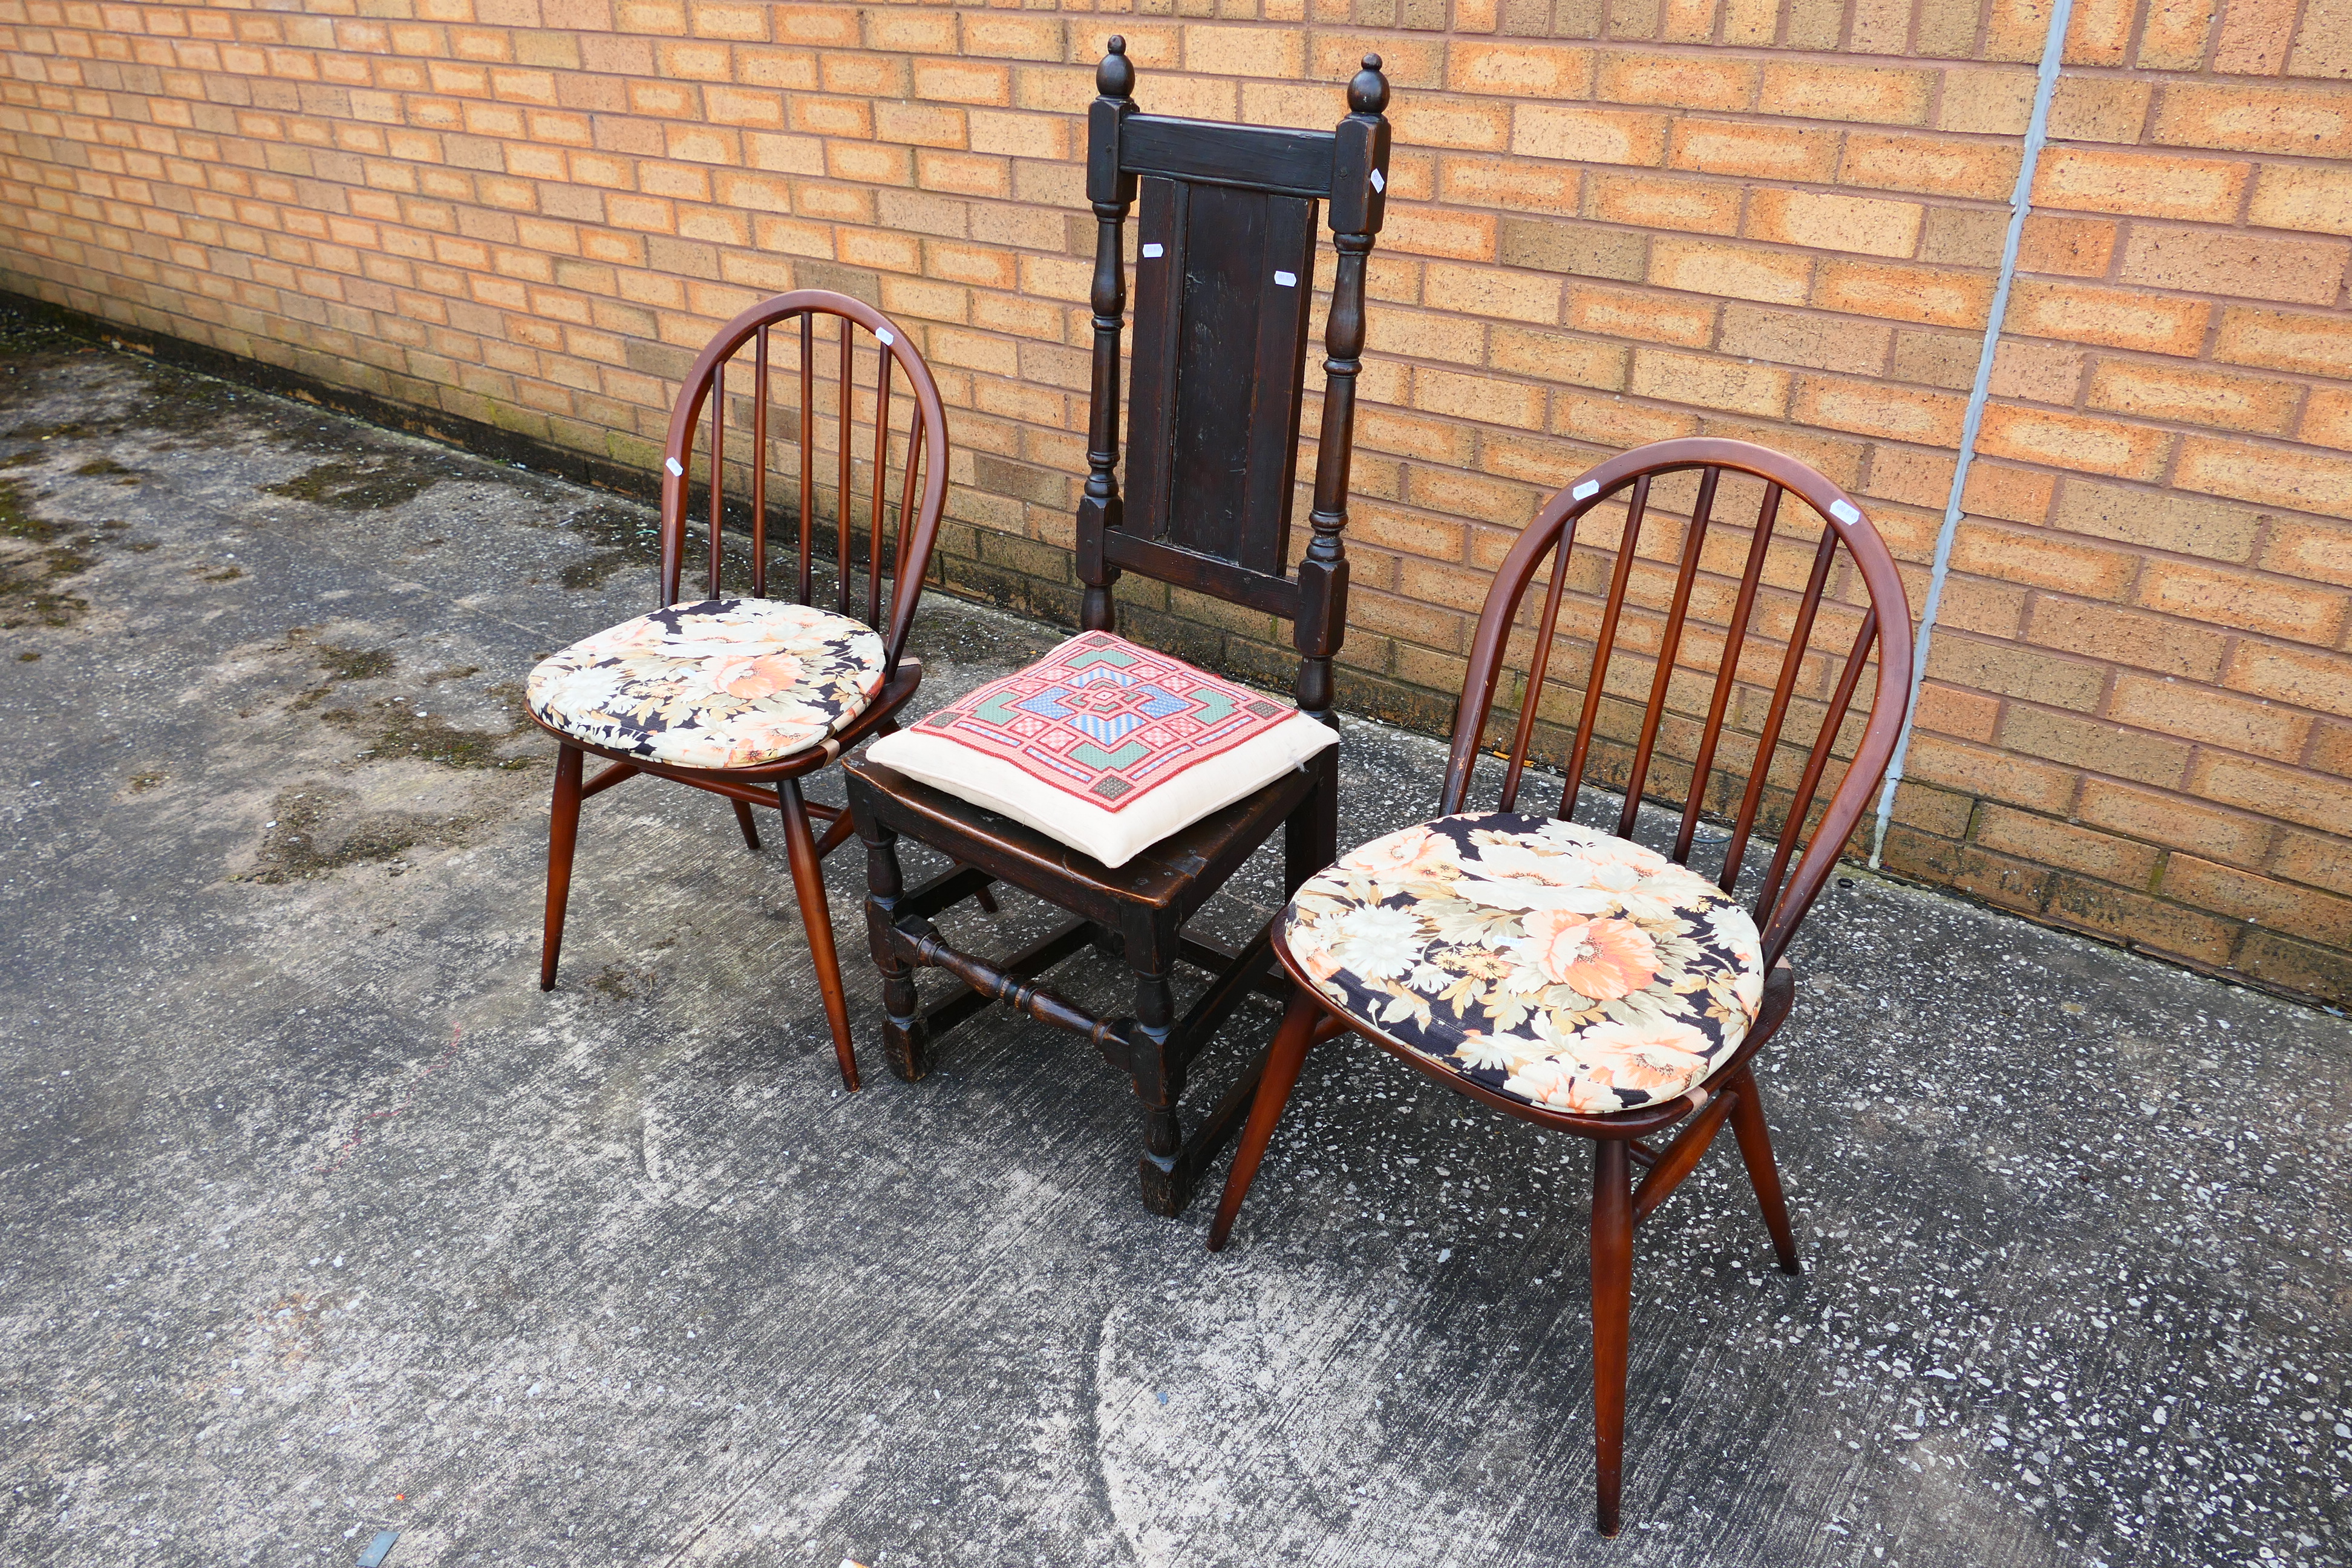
x=2021 y=203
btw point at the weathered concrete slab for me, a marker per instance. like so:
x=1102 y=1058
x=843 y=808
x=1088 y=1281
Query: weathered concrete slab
x=316 y=1217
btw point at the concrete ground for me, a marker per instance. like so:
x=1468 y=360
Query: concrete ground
x=318 y=1218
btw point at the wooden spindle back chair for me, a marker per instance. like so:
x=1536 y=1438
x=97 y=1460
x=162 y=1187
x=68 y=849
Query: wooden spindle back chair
x=763 y=396
x=1224 y=275
x=1865 y=591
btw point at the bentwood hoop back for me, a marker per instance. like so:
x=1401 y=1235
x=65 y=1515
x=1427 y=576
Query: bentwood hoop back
x=1224 y=274
x=1851 y=592
x=765 y=396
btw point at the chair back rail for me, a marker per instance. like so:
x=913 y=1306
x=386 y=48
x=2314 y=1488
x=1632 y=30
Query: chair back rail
x=923 y=457
x=1225 y=273
x=1884 y=627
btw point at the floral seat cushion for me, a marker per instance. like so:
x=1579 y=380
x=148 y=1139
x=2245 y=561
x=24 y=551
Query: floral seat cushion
x=1547 y=961
x=724 y=683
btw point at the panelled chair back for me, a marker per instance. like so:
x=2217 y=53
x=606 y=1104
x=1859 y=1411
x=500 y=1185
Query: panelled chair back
x=1224 y=272
x=1568 y=975
x=743 y=695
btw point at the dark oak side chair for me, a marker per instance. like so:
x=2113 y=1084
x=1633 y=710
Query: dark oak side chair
x=745 y=696
x=1571 y=977
x=1223 y=275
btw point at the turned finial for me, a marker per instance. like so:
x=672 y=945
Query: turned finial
x=1369 y=92
x=1115 y=77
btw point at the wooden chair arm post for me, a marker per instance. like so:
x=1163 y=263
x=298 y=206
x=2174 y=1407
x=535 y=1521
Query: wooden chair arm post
x=1111 y=194
x=1358 y=183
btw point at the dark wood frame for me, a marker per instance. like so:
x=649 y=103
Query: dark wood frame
x=925 y=455
x=1730 y=1093
x=1247 y=266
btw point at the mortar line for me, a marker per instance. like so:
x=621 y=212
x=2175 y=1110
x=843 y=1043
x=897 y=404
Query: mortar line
x=2021 y=203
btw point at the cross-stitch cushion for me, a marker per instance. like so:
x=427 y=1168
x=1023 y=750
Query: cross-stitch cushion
x=1106 y=746
x=1543 y=960
x=724 y=683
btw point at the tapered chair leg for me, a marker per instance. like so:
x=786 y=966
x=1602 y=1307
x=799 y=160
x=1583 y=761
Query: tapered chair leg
x=1612 y=1305
x=1283 y=1063
x=1763 y=1172
x=563 y=836
x=808 y=883
x=743 y=820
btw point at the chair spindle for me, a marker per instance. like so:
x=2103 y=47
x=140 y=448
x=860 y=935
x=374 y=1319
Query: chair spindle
x=1768 y=743
x=808 y=446
x=1537 y=663
x=760 y=464
x=1726 y=672
x=717 y=464
x=881 y=478
x=1597 y=676
x=1825 y=744
x=1669 y=645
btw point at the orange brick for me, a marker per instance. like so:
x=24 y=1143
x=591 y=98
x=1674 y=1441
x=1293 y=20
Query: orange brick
x=2219 y=595
x=2273 y=791
x=2269 y=475
x=2315 y=552
x=2126 y=637
x=1709 y=381
x=2158 y=520
x=2117 y=318
x=1461 y=124
x=2228 y=262
x=2176 y=35
x=1816 y=342
x=1879 y=408
x=2316 y=678
x=1557 y=357
x=2042 y=560
x=1741 y=271
x=2076 y=442
x=1615 y=422
x=2046 y=841
x=1680 y=81
x=1519 y=68
x=1459 y=236
x=1752 y=151
x=2323 y=45
x=1653 y=200
x=1639 y=317
x=1004 y=35
x=982 y=82
x=2231 y=400
x=2263 y=900
x=1986 y=103
x=1936 y=296
x=2321 y=860
x=828 y=27
x=1990 y=773
x=1484 y=398
x=1932 y=166
x=2312 y=198
x=2328 y=418
x=1881 y=95
x=2100 y=109
x=1588 y=135
x=2197 y=712
x=1508 y=182
x=2170 y=820
x=2139 y=184
x=2095 y=747
x=2014 y=669
x=2285 y=339
x=1246 y=51
x=2073 y=247
x=2238 y=118
x=1859 y=224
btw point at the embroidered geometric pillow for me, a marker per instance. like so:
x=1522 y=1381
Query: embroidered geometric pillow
x=1106 y=746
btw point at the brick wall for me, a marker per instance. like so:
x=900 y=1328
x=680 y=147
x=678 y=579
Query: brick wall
x=1609 y=221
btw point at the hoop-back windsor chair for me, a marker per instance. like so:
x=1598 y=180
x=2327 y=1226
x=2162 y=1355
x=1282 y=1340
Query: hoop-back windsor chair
x=1525 y=924
x=1225 y=277
x=746 y=697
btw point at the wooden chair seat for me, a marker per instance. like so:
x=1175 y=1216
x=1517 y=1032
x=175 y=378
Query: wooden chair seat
x=1536 y=959
x=720 y=683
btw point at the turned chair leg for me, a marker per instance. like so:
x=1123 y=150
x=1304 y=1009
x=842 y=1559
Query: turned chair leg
x=904 y=1045
x=1763 y=1172
x=1283 y=1063
x=808 y=883
x=743 y=821
x=563 y=836
x=1612 y=1304
x=1158 y=1083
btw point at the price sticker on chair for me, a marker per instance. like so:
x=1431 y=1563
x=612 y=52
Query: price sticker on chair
x=671 y=464
x=1154 y=251
x=1286 y=279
